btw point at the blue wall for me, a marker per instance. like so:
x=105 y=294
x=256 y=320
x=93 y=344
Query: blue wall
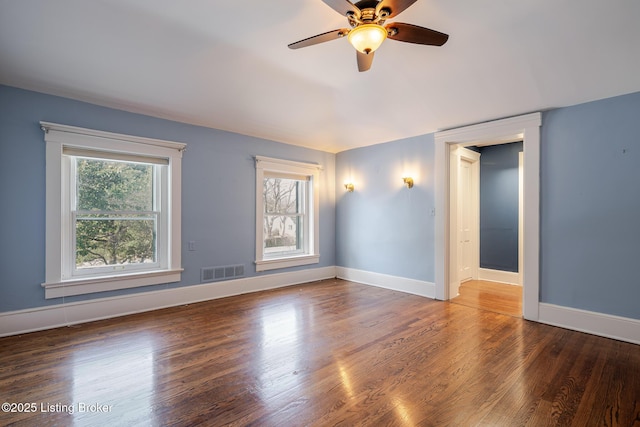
x=384 y=227
x=590 y=206
x=218 y=191
x=590 y=200
x=499 y=206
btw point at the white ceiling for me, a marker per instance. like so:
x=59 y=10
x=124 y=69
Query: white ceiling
x=226 y=65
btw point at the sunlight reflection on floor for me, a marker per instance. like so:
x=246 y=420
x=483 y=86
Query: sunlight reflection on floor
x=118 y=374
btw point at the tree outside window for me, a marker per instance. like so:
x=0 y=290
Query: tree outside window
x=284 y=215
x=115 y=218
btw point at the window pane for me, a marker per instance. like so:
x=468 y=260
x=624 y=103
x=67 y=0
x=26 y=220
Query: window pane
x=282 y=196
x=106 y=185
x=115 y=240
x=284 y=201
x=282 y=234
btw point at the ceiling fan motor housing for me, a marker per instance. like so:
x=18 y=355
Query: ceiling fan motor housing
x=369 y=14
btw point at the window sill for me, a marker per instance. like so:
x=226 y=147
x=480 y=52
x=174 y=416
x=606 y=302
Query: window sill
x=109 y=283
x=272 y=264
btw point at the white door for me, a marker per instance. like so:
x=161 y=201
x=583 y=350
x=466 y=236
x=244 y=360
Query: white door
x=464 y=256
x=520 y=218
x=465 y=221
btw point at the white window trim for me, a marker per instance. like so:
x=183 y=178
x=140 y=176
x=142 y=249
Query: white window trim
x=267 y=164
x=58 y=136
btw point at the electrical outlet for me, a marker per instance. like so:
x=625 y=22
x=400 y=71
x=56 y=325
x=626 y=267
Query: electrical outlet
x=192 y=245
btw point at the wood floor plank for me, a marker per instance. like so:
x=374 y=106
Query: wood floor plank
x=493 y=296
x=324 y=353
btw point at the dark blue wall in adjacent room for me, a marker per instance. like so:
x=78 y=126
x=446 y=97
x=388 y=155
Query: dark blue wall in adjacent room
x=499 y=206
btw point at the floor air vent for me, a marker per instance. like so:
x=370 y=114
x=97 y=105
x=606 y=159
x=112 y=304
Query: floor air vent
x=213 y=274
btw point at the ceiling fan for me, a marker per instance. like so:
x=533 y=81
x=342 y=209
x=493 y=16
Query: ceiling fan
x=366 y=19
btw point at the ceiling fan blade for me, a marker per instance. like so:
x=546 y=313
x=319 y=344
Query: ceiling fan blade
x=414 y=34
x=364 y=60
x=320 y=38
x=394 y=6
x=343 y=7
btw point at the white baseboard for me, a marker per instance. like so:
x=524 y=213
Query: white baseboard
x=36 y=319
x=402 y=284
x=41 y=318
x=605 y=325
x=490 y=275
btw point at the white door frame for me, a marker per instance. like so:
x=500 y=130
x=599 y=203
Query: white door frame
x=527 y=129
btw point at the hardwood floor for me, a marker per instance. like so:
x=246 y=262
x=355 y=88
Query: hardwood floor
x=327 y=353
x=492 y=296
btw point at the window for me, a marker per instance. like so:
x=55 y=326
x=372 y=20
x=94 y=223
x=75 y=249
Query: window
x=287 y=205
x=116 y=210
x=113 y=211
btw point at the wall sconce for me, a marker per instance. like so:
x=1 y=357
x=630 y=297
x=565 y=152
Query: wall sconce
x=408 y=181
x=349 y=186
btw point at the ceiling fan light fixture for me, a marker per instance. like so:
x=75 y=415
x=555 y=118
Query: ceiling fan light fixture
x=366 y=38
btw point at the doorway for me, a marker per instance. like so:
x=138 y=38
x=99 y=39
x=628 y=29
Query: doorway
x=486 y=223
x=527 y=129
